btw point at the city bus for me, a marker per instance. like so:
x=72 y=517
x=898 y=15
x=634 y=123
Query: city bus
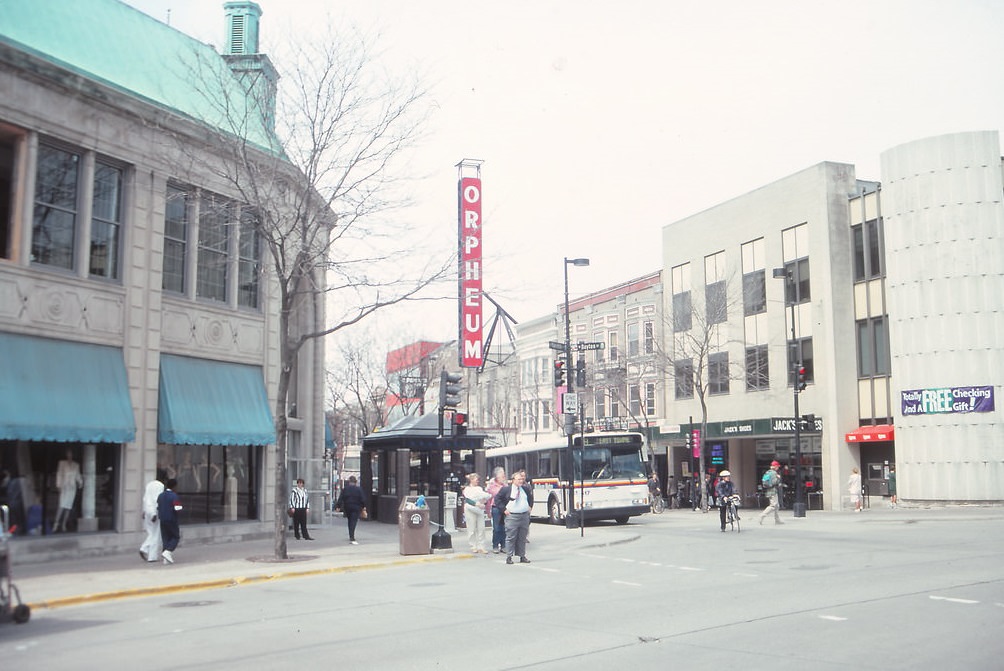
x=610 y=480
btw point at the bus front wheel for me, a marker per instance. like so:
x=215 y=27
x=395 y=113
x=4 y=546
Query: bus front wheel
x=622 y=520
x=553 y=512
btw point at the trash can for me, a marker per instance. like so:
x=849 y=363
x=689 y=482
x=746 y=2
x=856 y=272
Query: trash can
x=413 y=527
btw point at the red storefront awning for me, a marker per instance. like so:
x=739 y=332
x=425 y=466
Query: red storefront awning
x=871 y=434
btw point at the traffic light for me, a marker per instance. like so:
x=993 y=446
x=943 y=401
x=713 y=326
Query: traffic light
x=580 y=372
x=800 y=378
x=460 y=424
x=559 y=373
x=449 y=389
x=697 y=441
x=690 y=440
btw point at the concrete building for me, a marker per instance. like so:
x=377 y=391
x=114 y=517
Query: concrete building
x=893 y=308
x=138 y=334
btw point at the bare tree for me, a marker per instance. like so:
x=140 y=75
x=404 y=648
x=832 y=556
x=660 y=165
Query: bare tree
x=317 y=188
x=698 y=333
x=357 y=389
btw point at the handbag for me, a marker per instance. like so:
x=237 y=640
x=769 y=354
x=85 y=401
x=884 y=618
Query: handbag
x=363 y=514
x=289 y=512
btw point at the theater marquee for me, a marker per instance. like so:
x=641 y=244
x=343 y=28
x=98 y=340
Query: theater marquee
x=469 y=273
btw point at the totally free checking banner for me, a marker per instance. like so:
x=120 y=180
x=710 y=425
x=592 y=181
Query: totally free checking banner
x=948 y=400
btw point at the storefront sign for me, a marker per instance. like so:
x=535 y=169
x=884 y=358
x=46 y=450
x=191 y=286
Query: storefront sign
x=947 y=400
x=469 y=272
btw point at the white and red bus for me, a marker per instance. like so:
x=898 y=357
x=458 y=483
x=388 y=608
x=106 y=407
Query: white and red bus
x=609 y=479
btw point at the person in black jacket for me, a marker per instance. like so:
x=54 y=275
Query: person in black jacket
x=516 y=500
x=352 y=501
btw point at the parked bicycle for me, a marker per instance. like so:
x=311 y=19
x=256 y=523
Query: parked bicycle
x=732 y=511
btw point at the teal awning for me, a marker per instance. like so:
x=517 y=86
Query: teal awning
x=70 y=392
x=205 y=402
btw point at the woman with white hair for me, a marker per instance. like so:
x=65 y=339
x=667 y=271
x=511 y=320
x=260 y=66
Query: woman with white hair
x=475 y=497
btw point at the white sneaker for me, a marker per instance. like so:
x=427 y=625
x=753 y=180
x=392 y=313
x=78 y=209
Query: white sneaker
x=168 y=557
x=354 y=542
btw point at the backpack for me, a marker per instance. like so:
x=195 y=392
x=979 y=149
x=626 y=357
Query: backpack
x=769 y=480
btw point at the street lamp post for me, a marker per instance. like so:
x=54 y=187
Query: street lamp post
x=798 y=507
x=569 y=420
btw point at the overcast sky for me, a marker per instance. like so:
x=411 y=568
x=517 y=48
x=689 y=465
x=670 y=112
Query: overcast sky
x=601 y=122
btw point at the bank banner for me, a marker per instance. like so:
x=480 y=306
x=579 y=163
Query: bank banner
x=946 y=400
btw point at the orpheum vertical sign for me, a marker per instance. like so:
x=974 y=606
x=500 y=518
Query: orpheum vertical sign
x=469 y=274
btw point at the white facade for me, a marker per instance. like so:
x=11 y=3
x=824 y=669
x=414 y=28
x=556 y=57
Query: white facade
x=944 y=246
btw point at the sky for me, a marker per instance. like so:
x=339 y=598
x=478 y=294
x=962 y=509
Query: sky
x=599 y=123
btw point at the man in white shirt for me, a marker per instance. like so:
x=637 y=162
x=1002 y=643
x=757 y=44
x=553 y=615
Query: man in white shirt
x=516 y=499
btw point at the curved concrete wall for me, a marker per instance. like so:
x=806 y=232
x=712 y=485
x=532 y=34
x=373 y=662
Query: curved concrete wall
x=944 y=238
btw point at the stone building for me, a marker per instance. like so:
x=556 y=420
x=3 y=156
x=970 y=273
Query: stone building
x=138 y=334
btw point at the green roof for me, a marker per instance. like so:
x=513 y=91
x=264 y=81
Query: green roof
x=115 y=44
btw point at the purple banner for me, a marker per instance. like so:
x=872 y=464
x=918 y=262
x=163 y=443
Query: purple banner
x=948 y=400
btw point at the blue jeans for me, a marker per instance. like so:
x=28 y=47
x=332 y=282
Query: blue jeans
x=498 y=528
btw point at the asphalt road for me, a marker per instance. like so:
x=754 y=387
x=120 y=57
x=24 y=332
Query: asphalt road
x=903 y=589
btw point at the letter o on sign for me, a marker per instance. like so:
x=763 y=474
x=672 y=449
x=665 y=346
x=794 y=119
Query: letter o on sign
x=472 y=193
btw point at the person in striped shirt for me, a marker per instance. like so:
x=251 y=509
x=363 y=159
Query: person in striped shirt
x=299 y=505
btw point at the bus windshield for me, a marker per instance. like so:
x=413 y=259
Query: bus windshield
x=609 y=463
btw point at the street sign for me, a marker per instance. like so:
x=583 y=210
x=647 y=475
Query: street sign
x=560 y=346
x=581 y=346
x=570 y=402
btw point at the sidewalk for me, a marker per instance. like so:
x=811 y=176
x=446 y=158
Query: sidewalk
x=210 y=566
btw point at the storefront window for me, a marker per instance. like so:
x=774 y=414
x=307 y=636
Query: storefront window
x=55 y=488
x=216 y=483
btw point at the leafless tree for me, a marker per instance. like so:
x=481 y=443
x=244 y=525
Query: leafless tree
x=697 y=332
x=319 y=166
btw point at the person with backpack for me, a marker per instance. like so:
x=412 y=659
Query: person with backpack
x=771 y=482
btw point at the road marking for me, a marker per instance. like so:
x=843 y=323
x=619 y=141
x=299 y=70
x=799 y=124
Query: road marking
x=746 y=575
x=624 y=582
x=689 y=568
x=952 y=600
x=834 y=618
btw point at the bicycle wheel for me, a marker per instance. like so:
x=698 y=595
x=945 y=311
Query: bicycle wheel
x=658 y=505
x=735 y=517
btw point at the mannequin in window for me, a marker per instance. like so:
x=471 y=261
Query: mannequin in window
x=68 y=481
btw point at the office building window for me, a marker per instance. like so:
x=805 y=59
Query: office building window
x=175 y=239
x=757 y=368
x=718 y=373
x=801 y=353
x=106 y=221
x=249 y=261
x=867 y=250
x=634 y=339
x=650 y=408
x=54 y=223
x=215 y=217
x=798 y=289
x=873 y=347
x=682 y=305
x=683 y=372
x=649 y=329
x=754 y=286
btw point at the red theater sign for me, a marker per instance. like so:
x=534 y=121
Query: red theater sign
x=469 y=273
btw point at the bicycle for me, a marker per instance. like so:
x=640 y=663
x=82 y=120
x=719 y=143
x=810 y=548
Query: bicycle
x=657 y=502
x=732 y=512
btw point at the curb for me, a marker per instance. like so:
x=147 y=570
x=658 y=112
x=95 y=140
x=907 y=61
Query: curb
x=62 y=602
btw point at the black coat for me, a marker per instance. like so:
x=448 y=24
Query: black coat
x=351 y=500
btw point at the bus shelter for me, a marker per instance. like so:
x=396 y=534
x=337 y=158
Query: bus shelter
x=409 y=458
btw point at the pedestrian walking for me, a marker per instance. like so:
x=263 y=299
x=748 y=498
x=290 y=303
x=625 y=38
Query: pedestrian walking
x=168 y=505
x=516 y=500
x=352 y=501
x=854 y=489
x=892 y=486
x=150 y=549
x=299 y=505
x=771 y=482
x=498 y=519
x=475 y=498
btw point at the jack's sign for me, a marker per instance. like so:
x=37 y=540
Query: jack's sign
x=469 y=273
x=947 y=400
